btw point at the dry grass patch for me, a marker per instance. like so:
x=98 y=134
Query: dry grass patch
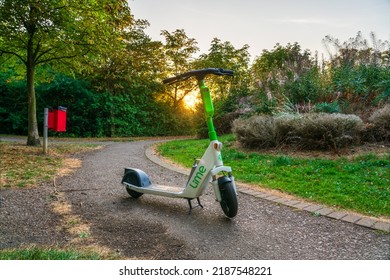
x=74 y=224
x=23 y=166
x=69 y=166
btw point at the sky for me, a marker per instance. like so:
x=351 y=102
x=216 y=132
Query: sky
x=263 y=23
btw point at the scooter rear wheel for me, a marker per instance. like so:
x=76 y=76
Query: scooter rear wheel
x=131 y=178
x=133 y=194
x=229 y=202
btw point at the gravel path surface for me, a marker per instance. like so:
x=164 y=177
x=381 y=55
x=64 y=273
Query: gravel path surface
x=153 y=227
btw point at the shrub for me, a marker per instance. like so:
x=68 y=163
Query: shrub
x=286 y=124
x=257 y=131
x=326 y=131
x=307 y=131
x=378 y=128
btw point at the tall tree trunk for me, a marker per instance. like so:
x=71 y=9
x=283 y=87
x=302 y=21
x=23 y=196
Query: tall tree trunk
x=33 y=136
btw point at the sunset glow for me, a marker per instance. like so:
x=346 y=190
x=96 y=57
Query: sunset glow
x=191 y=100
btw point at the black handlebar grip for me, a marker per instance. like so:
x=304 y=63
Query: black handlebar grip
x=199 y=74
x=169 y=80
x=227 y=72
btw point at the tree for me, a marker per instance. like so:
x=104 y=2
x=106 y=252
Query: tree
x=178 y=51
x=226 y=91
x=46 y=31
x=225 y=55
x=124 y=70
x=136 y=59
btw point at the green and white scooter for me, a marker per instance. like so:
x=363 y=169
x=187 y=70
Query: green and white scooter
x=209 y=169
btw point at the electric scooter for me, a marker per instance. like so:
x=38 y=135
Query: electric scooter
x=204 y=171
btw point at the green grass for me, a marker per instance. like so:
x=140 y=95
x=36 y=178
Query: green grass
x=361 y=184
x=36 y=253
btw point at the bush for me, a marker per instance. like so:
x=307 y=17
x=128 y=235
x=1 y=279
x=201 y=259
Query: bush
x=326 y=131
x=256 y=131
x=307 y=131
x=378 y=128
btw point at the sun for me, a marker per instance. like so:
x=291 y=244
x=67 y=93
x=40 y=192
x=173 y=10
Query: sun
x=191 y=100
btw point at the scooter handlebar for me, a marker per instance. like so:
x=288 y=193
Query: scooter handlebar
x=199 y=74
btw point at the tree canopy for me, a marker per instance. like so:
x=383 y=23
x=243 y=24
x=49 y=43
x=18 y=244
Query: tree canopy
x=38 y=32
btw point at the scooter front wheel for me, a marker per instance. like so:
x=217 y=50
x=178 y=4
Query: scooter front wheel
x=229 y=202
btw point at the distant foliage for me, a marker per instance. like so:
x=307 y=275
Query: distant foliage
x=285 y=77
x=356 y=77
x=89 y=114
x=359 y=72
x=13 y=104
x=306 y=131
x=285 y=96
x=325 y=107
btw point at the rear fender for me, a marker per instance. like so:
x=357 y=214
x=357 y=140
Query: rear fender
x=136 y=177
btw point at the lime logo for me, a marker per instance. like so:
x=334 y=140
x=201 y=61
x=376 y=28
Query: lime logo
x=198 y=177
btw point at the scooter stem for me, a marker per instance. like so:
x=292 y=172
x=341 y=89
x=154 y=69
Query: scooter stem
x=209 y=109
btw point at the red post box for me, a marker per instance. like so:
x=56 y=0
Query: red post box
x=57 y=119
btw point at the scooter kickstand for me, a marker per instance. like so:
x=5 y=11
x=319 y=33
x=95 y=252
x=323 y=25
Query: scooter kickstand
x=199 y=204
x=190 y=204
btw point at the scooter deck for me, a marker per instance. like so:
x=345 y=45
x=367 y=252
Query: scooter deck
x=169 y=191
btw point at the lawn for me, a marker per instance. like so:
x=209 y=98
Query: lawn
x=360 y=183
x=36 y=253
